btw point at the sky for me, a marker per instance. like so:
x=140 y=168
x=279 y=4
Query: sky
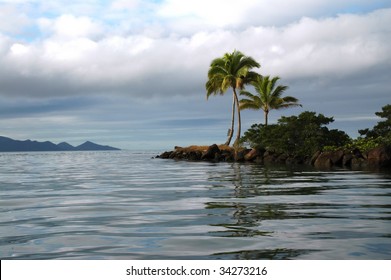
x=132 y=73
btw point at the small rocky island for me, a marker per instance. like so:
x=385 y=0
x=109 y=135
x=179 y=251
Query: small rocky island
x=377 y=158
x=304 y=139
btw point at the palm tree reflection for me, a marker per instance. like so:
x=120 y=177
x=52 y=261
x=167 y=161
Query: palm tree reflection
x=247 y=197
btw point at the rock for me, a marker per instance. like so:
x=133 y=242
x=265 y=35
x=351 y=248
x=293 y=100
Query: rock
x=195 y=155
x=165 y=155
x=294 y=160
x=357 y=153
x=227 y=156
x=347 y=159
x=358 y=163
x=210 y=152
x=323 y=161
x=251 y=155
x=379 y=157
x=336 y=157
x=314 y=157
x=329 y=159
x=269 y=157
x=239 y=155
x=281 y=159
x=175 y=155
x=259 y=159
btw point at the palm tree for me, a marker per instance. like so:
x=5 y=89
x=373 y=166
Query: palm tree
x=231 y=71
x=268 y=96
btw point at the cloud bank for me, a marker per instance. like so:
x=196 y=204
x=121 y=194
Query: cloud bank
x=81 y=60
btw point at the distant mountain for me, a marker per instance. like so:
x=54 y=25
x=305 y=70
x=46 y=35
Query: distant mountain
x=90 y=146
x=11 y=145
x=65 y=146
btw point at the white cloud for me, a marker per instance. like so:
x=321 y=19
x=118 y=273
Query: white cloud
x=156 y=56
x=343 y=45
x=330 y=47
x=12 y=20
x=125 y=4
x=187 y=16
x=68 y=26
x=216 y=13
x=73 y=50
x=19 y=49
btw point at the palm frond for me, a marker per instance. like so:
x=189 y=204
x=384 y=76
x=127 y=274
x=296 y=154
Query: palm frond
x=290 y=99
x=278 y=91
x=247 y=93
x=230 y=70
x=248 y=104
x=269 y=95
x=251 y=77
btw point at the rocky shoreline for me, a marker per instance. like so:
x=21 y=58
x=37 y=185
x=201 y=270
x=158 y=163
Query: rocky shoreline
x=377 y=158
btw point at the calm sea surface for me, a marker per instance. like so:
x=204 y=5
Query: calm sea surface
x=126 y=205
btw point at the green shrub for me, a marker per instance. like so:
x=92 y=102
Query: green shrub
x=363 y=144
x=301 y=135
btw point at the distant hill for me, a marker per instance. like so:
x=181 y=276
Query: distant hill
x=90 y=146
x=11 y=145
x=65 y=146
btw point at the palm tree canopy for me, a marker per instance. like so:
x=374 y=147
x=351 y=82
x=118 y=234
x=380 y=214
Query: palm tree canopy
x=231 y=70
x=268 y=97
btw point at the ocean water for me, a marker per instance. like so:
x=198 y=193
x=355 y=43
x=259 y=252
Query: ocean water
x=127 y=205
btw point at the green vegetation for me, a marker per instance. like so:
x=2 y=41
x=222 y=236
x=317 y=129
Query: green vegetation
x=379 y=135
x=233 y=70
x=362 y=144
x=381 y=132
x=301 y=135
x=307 y=133
x=268 y=96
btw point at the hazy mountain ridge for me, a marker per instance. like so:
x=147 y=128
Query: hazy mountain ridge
x=11 y=145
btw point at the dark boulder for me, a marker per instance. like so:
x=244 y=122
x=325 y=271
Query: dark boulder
x=269 y=157
x=379 y=157
x=314 y=157
x=357 y=153
x=195 y=155
x=211 y=152
x=281 y=159
x=166 y=155
x=240 y=155
x=329 y=159
x=294 y=160
x=227 y=156
x=252 y=155
x=323 y=161
x=347 y=159
x=358 y=163
x=336 y=157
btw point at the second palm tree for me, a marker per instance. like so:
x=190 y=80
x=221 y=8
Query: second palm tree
x=268 y=97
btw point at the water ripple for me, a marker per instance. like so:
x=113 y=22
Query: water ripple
x=125 y=205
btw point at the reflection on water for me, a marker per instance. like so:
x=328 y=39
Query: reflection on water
x=274 y=254
x=125 y=205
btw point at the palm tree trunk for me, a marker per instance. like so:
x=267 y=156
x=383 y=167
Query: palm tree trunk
x=237 y=140
x=266 y=116
x=231 y=131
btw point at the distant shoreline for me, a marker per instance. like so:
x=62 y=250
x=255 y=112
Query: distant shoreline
x=11 y=145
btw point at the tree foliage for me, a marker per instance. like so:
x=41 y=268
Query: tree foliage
x=301 y=135
x=268 y=96
x=382 y=130
x=233 y=70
